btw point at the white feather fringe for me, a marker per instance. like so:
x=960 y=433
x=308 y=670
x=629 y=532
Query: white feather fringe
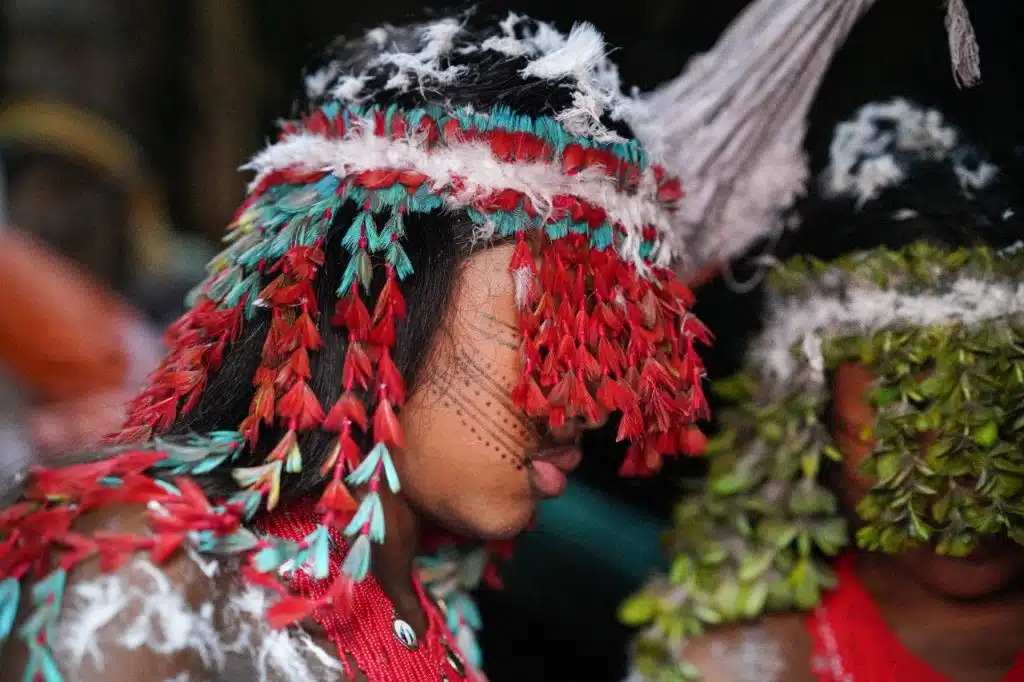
x=807 y=320
x=482 y=174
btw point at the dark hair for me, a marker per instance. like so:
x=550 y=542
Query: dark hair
x=435 y=252
x=488 y=77
x=931 y=204
x=435 y=244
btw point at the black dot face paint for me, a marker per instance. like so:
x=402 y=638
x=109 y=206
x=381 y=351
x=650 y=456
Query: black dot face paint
x=478 y=389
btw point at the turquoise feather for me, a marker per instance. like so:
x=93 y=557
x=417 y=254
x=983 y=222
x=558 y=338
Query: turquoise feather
x=319 y=558
x=357 y=561
x=250 y=501
x=399 y=260
x=362 y=474
x=10 y=594
x=354 y=233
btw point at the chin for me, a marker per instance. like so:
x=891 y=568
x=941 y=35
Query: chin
x=490 y=522
x=991 y=571
x=504 y=527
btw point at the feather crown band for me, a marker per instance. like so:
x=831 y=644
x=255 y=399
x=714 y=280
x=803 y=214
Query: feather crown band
x=870 y=292
x=603 y=323
x=574 y=158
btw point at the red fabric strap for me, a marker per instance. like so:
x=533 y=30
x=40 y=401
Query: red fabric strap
x=853 y=643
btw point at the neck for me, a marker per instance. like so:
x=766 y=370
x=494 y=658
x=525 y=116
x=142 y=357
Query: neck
x=955 y=636
x=393 y=561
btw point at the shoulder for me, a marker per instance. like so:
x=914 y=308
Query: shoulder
x=107 y=622
x=190 y=618
x=775 y=649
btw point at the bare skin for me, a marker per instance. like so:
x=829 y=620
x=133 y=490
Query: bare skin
x=943 y=610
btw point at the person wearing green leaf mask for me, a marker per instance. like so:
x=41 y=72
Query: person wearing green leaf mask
x=862 y=516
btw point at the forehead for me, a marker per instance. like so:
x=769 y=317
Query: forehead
x=483 y=308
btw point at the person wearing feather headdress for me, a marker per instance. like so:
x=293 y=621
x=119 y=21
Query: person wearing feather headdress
x=859 y=521
x=454 y=260
x=862 y=518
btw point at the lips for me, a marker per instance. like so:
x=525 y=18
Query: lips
x=549 y=468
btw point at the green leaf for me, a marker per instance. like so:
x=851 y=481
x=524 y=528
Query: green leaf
x=753 y=565
x=986 y=435
x=755 y=600
x=682 y=568
x=729 y=484
x=638 y=609
x=707 y=614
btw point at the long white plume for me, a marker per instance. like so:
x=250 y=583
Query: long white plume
x=732 y=124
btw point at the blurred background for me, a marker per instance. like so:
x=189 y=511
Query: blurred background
x=121 y=128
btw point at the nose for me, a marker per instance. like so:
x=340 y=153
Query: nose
x=570 y=431
x=567 y=433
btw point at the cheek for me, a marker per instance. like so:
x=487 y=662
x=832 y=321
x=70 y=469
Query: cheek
x=853 y=483
x=851 y=415
x=463 y=466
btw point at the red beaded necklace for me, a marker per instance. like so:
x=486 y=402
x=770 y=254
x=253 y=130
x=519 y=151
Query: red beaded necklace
x=853 y=643
x=367 y=630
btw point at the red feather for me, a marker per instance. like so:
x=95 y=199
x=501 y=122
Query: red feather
x=529 y=398
x=491 y=578
x=585 y=361
x=586 y=406
x=351 y=313
x=139 y=489
x=522 y=257
x=301 y=405
x=262 y=407
x=289 y=610
x=194 y=394
x=306 y=332
x=383 y=332
x=389 y=376
x=337 y=498
x=115 y=549
x=76 y=548
x=267 y=580
x=131 y=434
x=695 y=328
x=191 y=494
x=340 y=591
x=383 y=304
x=412 y=179
x=272 y=288
x=349 y=407
x=666 y=443
x=356 y=369
x=559 y=395
x=296 y=368
x=137 y=461
x=350 y=452
x=631 y=426
x=634 y=464
x=397 y=302
x=692 y=441
x=165 y=546
x=386 y=428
